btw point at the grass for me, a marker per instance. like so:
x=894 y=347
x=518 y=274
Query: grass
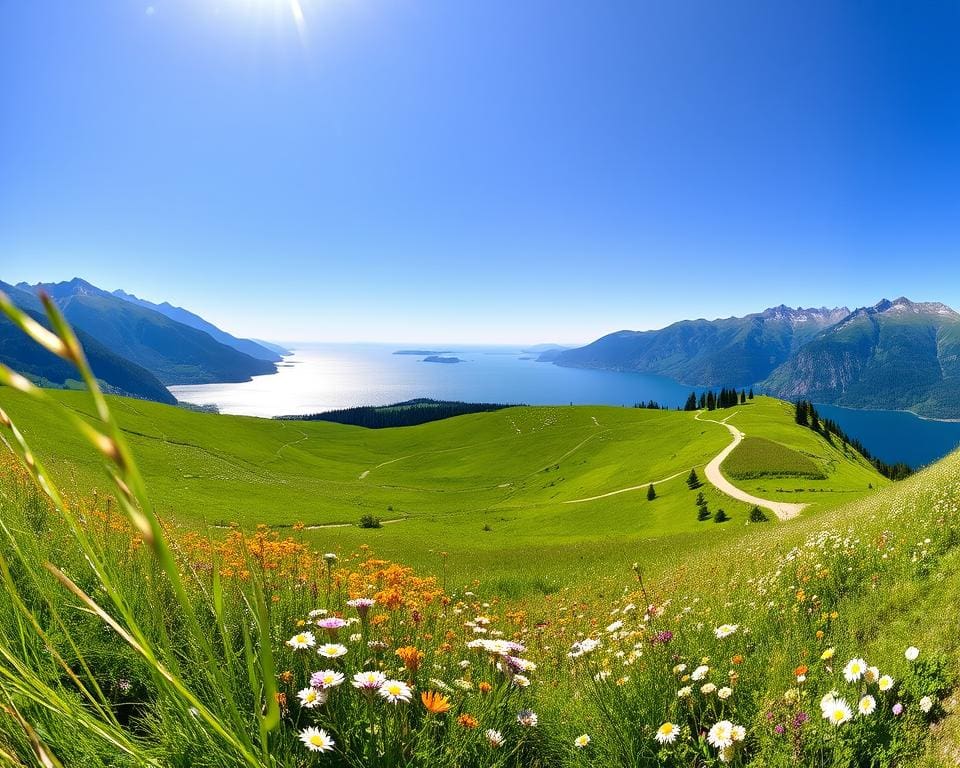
x=490 y=490
x=758 y=457
x=127 y=642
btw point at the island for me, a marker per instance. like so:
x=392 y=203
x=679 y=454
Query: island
x=441 y=359
x=421 y=352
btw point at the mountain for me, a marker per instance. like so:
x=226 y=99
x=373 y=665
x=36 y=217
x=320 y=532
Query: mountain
x=175 y=353
x=898 y=355
x=282 y=351
x=117 y=375
x=247 y=346
x=734 y=351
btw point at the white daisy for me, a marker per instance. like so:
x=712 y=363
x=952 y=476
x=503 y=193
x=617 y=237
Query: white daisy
x=911 y=653
x=494 y=738
x=332 y=650
x=370 y=681
x=885 y=683
x=721 y=734
x=667 y=733
x=725 y=630
x=867 y=705
x=854 y=670
x=311 y=698
x=317 y=740
x=838 y=713
x=395 y=691
x=581 y=741
x=302 y=640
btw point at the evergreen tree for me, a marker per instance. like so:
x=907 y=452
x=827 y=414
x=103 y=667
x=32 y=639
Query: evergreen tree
x=800 y=412
x=711 y=401
x=702 y=402
x=757 y=515
x=703 y=513
x=701 y=500
x=651 y=493
x=750 y=394
x=743 y=397
x=720 y=516
x=691 y=404
x=693 y=482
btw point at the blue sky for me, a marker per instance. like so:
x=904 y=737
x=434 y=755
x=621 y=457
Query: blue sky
x=488 y=170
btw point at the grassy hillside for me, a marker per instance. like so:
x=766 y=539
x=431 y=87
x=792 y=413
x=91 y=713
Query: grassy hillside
x=492 y=490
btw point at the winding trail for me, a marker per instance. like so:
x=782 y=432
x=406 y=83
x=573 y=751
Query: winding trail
x=781 y=509
x=626 y=490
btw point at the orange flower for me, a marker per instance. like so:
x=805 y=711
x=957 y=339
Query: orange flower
x=738 y=659
x=467 y=721
x=434 y=702
x=819 y=634
x=801 y=670
x=485 y=687
x=410 y=657
x=286 y=677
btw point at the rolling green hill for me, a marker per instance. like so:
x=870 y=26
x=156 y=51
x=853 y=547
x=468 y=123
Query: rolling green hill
x=491 y=488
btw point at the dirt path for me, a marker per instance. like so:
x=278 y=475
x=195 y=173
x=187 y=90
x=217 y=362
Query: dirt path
x=627 y=490
x=781 y=509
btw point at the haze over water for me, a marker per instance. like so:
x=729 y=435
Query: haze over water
x=322 y=377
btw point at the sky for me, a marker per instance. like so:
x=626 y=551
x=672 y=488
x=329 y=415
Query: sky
x=481 y=170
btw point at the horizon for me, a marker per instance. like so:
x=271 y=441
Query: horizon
x=478 y=343
x=480 y=172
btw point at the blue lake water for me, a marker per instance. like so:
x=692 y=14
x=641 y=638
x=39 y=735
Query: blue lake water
x=321 y=377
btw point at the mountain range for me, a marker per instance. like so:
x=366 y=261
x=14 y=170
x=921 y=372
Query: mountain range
x=135 y=347
x=899 y=355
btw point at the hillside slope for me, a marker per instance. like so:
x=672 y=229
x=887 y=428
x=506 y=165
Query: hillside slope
x=897 y=355
x=175 y=353
x=247 y=346
x=736 y=351
x=116 y=374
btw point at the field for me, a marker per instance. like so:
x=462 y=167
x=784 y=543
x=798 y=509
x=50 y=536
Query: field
x=757 y=457
x=494 y=491
x=554 y=614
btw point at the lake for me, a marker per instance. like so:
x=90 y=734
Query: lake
x=322 y=377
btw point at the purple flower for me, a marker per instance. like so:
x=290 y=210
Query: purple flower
x=664 y=636
x=800 y=719
x=779 y=729
x=898 y=708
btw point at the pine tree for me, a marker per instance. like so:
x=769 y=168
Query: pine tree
x=757 y=515
x=691 y=404
x=703 y=513
x=750 y=394
x=651 y=493
x=711 y=401
x=720 y=516
x=693 y=482
x=743 y=397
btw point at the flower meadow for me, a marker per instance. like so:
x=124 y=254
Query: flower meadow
x=127 y=641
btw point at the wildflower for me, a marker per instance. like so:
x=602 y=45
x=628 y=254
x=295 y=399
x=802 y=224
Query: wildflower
x=871 y=675
x=435 y=703
x=311 y=698
x=721 y=734
x=738 y=732
x=521 y=681
x=667 y=733
x=581 y=741
x=330 y=557
x=527 y=718
x=317 y=740
x=302 y=641
x=827 y=701
x=467 y=720
x=362 y=605
x=854 y=670
x=838 y=713
x=494 y=738
x=801 y=671
x=911 y=653
x=332 y=650
x=325 y=679
x=684 y=693
x=926 y=704
x=700 y=672
x=725 y=693
x=707 y=688
x=827 y=654
x=331 y=622
x=410 y=657
x=679 y=669
x=725 y=630
x=613 y=628
x=897 y=709
x=369 y=681
x=484 y=687
x=737 y=659
x=395 y=691
x=885 y=683
x=867 y=705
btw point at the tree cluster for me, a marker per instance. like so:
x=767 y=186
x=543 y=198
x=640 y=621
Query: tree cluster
x=406 y=414
x=710 y=400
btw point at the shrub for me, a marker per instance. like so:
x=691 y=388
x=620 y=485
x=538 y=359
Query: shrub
x=369 y=521
x=720 y=516
x=757 y=515
x=651 y=493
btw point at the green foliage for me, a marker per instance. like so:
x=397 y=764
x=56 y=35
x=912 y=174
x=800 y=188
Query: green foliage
x=370 y=521
x=720 y=516
x=651 y=492
x=757 y=515
x=406 y=414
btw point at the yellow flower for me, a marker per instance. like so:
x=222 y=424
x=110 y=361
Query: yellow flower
x=435 y=703
x=827 y=654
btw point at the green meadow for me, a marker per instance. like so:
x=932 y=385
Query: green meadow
x=481 y=496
